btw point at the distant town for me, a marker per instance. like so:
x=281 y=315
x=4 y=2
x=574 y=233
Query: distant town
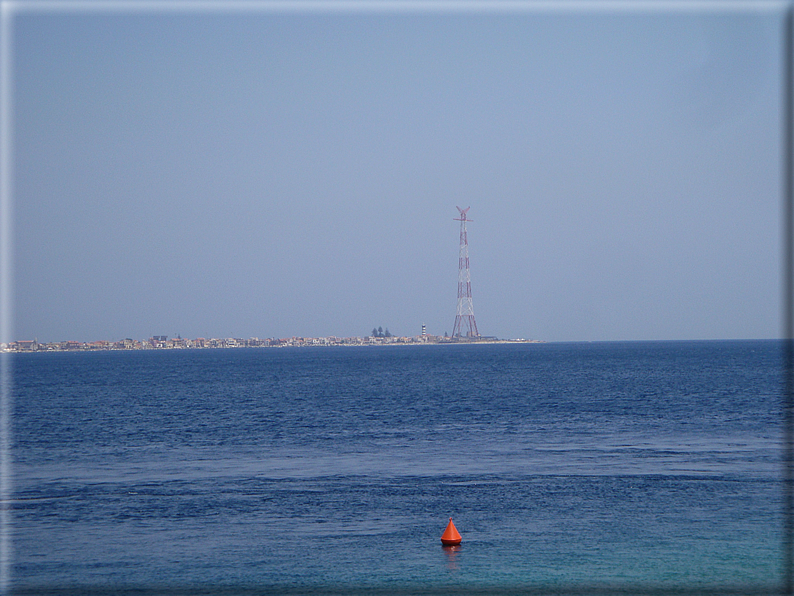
x=163 y=342
x=463 y=331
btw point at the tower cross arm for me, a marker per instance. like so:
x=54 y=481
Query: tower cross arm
x=463 y=216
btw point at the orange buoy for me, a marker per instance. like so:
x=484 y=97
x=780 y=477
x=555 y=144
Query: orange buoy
x=451 y=536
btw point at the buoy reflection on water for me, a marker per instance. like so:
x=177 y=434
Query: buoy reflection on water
x=452 y=553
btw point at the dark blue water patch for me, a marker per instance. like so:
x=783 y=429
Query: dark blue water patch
x=629 y=464
x=349 y=397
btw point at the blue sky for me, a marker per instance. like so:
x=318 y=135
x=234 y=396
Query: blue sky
x=270 y=174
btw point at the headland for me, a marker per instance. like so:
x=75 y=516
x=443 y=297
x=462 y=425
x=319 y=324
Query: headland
x=163 y=342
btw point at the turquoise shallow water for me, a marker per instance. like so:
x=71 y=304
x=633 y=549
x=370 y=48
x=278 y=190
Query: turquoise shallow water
x=567 y=467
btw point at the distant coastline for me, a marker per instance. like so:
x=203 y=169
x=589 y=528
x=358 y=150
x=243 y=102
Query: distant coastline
x=163 y=342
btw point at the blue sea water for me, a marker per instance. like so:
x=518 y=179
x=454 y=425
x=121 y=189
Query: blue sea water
x=566 y=467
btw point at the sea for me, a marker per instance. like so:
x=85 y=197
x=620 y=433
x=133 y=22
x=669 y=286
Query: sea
x=581 y=468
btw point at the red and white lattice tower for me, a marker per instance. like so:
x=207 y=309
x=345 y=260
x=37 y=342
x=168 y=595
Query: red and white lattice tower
x=464 y=319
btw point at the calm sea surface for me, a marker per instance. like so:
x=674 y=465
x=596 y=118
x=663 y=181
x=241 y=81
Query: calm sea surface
x=565 y=467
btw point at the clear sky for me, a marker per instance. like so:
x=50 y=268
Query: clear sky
x=270 y=174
